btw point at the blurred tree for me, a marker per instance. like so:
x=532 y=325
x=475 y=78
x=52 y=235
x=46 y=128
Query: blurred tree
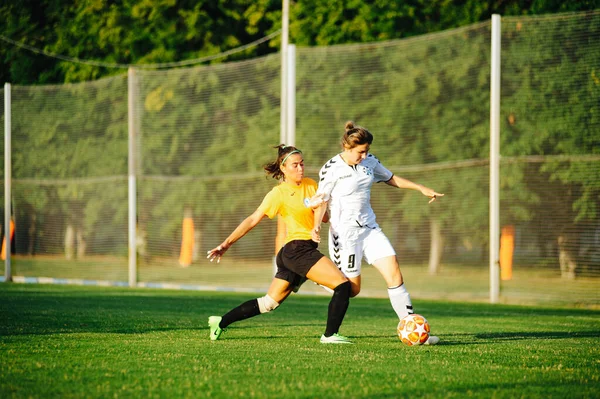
x=138 y=32
x=142 y=32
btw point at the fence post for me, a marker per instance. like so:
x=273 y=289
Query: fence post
x=495 y=161
x=291 y=95
x=285 y=10
x=7 y=179
x=284 y=105
x=132 y=193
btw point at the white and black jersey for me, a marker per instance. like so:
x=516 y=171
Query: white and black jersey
x=349 y=190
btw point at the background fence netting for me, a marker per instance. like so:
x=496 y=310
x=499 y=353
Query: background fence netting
x=550 y=149
x=202 y=135
x=69 y=180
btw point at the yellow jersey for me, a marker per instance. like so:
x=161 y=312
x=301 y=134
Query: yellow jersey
x=288 y=200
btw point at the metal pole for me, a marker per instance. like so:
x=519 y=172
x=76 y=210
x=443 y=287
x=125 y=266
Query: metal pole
x=7 y=179
x=283 y=112
x=132 y=188
x=291 y=95
x=284 y=47
x=495 y=162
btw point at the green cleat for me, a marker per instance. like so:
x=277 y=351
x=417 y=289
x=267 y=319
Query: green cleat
x=335 y=339
x=215 y=330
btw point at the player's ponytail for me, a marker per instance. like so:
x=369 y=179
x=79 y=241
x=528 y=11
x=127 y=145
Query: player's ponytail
x=283 y=152
x=355 y=135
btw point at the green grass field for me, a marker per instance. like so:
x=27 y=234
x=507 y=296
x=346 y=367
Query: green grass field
x=90 y=342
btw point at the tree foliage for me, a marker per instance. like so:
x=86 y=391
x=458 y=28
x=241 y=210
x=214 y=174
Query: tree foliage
x=146 y=32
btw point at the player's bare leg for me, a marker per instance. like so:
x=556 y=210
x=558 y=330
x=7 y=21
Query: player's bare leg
x=399 y=297
x=325 y=273
x=279 y=290
x=390 y=270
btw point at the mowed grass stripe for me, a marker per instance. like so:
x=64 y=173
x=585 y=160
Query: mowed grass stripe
x=64 y=341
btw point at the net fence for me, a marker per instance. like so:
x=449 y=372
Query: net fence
x=202 y=135
x=551 y=153
x=69 y=179
x=426 y=102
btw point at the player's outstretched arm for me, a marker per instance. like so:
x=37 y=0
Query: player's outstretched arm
x=243 y=228
x=397 y=181
x=319 y=214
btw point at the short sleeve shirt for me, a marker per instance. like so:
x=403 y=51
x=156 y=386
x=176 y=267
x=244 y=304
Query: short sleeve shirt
x=349 y=190
x=288 y=200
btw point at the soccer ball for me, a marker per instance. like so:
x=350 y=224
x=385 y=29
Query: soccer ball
x=413 y=330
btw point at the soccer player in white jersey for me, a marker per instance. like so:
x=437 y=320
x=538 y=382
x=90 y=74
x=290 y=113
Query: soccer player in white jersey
x=345 y=184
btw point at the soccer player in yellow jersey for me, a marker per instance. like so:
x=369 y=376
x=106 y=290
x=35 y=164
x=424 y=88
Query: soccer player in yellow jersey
x=298 y=259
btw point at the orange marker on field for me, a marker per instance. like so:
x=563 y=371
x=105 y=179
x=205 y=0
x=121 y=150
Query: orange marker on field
x=507 y=246
x=187 y=242
x=12 y=237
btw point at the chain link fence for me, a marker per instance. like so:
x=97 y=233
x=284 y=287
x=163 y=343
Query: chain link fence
x=202 y=135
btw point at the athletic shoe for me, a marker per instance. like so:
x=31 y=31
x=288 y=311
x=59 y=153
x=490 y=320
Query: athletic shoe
x=335 y=339
x=215 y=330
x=432 y=340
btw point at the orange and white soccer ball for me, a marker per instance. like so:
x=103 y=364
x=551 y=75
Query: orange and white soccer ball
x=413 y=330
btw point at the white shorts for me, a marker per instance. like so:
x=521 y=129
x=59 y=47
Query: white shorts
x=347 y=248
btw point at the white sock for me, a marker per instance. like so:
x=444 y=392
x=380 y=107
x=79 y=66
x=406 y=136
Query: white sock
x=400 y=300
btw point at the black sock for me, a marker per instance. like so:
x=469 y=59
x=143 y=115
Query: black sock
x=245 y=311
x=337 y=308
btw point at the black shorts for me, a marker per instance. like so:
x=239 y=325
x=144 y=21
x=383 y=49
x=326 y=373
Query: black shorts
x=295 y=259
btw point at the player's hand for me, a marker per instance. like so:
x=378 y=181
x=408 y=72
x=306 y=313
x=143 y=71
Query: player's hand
x=216 y=253
x=316 y=234
x=430 y=193
x=315 y=201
